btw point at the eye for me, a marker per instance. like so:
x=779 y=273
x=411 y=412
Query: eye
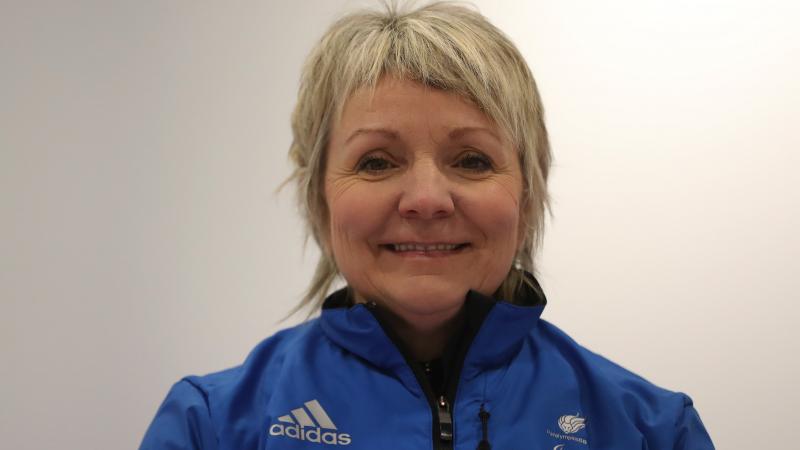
x=474 y=162
x=374 y=164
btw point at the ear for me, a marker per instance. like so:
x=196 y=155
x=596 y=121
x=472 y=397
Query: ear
x=323 y=226
x=522 y=227
x=323 y=237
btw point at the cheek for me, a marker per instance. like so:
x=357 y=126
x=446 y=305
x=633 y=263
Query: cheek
x=356 y=214
x=347 y=223
x=502 y=225
x=496 y=210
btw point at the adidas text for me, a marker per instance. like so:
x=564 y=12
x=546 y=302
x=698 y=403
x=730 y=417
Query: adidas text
x=315 y=434
x=309 y=423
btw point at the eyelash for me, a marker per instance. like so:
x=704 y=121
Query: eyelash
x=363 y=165
x=465 y=161
x=486 y=163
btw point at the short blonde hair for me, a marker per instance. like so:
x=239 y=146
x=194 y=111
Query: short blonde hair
x=447 y=46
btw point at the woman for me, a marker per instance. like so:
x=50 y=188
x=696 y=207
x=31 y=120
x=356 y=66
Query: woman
x=422 y=158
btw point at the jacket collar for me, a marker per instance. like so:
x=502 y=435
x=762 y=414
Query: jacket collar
x=495 y=328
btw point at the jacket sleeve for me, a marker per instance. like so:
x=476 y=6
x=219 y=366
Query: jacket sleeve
x=690 y=432
x=182 y=422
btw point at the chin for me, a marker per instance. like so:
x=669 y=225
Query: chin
x=425 y=299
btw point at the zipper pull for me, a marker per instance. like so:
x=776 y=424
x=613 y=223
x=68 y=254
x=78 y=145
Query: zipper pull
x=445 y=420
x=484 y=443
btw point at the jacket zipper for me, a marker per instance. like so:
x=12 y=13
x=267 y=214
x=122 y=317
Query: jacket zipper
x=445 y=421
x=440 y=408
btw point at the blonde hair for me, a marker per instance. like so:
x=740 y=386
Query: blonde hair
x=445 y=45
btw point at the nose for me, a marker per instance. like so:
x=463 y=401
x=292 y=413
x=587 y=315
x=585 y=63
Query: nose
x=426 y=193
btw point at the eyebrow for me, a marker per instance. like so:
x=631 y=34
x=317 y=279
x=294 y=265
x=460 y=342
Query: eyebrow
x=461 y=131
x=455 y=133
x=389 y=134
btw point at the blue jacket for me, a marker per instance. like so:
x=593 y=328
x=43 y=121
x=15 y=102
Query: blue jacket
x=512 y=382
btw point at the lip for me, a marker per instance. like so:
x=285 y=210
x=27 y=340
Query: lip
x=447 y=241
x=426 y=249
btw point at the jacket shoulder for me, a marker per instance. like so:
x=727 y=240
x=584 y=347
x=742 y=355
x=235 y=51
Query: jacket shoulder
x=199 y=410
x=666 y=418
x=599 y=369
x=264 y=356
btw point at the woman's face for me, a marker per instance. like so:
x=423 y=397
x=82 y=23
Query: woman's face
x=423 y=194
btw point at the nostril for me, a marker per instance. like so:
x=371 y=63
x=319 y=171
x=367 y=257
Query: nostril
x=426 y=205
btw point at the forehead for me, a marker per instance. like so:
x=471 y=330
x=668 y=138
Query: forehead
x=404 y=103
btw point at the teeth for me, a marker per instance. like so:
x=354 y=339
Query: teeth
x=424 y=248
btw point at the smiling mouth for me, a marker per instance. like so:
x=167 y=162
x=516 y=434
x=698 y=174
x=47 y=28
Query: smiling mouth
x=424 y=248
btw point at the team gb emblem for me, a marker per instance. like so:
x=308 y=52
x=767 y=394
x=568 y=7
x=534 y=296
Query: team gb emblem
x=571 y=424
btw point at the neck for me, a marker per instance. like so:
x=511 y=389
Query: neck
x=425 y=340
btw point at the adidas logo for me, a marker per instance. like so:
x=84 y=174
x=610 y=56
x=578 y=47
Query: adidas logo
x=299 y=425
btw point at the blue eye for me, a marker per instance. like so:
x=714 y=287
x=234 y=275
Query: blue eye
x=374 y=164
x=474 y=162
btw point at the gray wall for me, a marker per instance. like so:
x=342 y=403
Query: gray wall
x=142 y=240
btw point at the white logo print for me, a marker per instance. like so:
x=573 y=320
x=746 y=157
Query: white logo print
x=571 y=424
x=299 y=425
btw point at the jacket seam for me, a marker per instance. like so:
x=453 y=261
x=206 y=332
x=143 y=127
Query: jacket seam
x=206 y=401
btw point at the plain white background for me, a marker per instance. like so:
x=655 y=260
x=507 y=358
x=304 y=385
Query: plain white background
x=142 y=239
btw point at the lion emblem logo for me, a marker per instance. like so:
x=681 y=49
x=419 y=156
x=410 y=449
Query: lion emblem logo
x=571 y=424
